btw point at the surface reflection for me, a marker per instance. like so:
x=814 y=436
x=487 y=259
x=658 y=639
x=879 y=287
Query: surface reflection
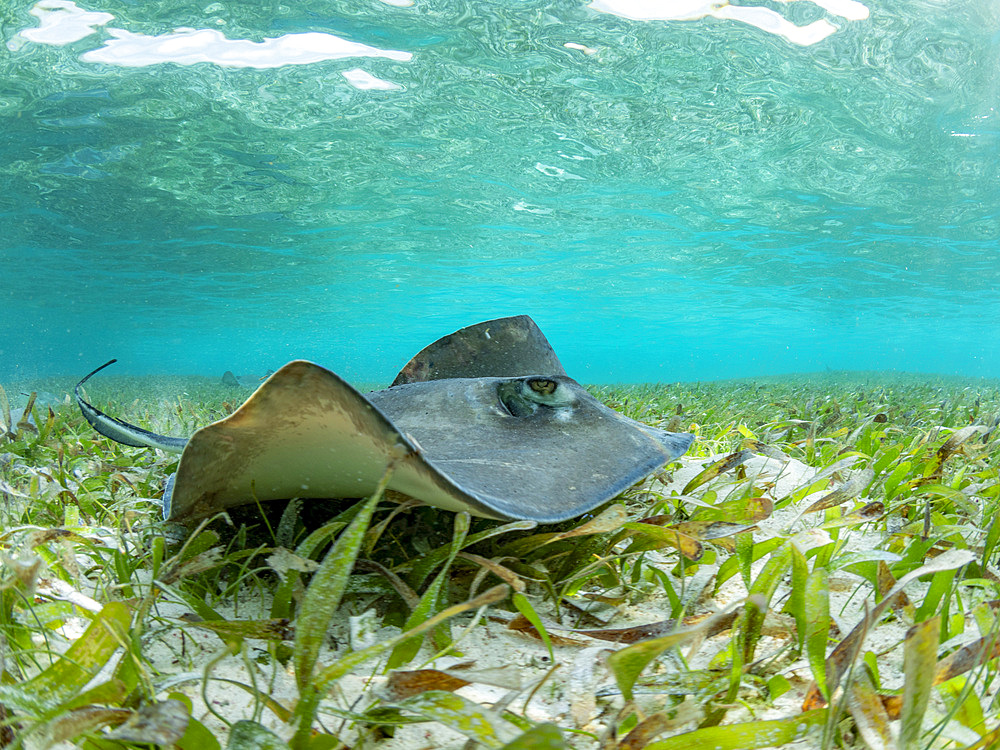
x=763 y=18
x=62 y=22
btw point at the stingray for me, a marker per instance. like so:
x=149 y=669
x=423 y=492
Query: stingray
x=484 y=420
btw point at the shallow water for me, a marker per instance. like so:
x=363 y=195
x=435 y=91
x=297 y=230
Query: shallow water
x=669 y=199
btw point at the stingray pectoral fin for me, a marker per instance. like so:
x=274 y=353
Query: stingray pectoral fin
x=497 y=348
x=304 y=433
x=539 y=448
x=120 y=431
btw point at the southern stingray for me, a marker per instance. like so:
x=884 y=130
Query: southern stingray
x=483 y=420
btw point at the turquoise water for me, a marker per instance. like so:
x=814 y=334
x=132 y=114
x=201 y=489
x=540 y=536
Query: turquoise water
x=731 y=195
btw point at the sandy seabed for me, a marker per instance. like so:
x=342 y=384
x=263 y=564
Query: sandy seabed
x=580 y=693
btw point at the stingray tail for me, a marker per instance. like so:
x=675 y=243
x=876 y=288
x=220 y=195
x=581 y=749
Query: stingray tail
x=123 y=432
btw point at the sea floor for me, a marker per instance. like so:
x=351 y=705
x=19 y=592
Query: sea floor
x=818 y=571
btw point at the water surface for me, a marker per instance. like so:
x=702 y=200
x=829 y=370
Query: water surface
x=779 y=189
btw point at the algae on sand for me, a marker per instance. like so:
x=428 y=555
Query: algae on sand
x=82 y=536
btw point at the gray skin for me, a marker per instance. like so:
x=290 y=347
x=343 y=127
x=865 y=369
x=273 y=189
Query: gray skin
x=535 y=447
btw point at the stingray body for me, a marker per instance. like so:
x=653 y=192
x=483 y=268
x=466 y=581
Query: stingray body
x=484 y=420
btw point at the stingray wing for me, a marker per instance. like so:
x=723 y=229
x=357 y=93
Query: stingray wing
x=304 y=433
x=494 y=348
x=562 y=456
x=307 y=433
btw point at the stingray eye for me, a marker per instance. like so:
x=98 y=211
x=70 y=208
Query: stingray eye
x=547 y=391
x=523 y=397
x=542 y=386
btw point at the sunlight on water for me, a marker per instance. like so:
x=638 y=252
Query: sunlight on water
x=673 y=190
x=763 y=18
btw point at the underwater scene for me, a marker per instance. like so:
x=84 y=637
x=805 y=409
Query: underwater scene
x=566 y=375
x=675 y=190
